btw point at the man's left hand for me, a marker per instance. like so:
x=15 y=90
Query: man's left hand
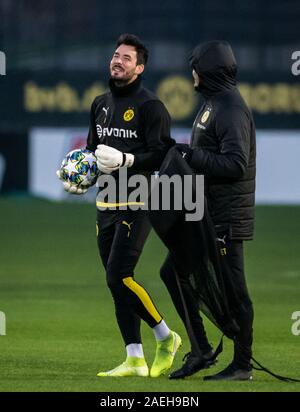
x=110 y=159
x=73 y=189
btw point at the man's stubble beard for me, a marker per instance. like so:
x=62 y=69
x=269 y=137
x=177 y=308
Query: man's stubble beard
x=123 y=82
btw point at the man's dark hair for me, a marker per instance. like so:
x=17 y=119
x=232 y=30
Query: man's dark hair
x=132 y=40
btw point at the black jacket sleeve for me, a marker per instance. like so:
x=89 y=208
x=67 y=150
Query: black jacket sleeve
x=155 y=125
x=92 y=139
x=233 y=130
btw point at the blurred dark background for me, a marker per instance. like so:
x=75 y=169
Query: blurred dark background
x=76 y=34
x=58 y=52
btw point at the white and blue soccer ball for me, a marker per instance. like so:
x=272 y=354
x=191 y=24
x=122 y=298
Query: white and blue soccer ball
x=79 y=167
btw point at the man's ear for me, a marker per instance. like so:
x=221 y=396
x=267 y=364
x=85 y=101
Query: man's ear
x=139 y=69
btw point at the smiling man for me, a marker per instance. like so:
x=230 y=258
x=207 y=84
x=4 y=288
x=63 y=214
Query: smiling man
x=130 y=127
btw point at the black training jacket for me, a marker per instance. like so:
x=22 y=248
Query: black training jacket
x=195 y=252
x=223 y=142
x=133 y=120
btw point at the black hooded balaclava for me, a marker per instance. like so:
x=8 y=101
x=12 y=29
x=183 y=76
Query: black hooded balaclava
x=215 y=64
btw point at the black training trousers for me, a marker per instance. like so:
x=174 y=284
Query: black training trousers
x=121 y=236
x=232 y=262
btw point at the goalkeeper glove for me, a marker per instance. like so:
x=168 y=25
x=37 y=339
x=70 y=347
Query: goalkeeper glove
x=75 y=190
x=110 y=159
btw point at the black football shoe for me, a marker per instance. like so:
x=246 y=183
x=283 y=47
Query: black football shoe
x=233 y=372
x=193 y=364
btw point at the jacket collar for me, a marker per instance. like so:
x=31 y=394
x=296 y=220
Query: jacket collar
x=127 y=90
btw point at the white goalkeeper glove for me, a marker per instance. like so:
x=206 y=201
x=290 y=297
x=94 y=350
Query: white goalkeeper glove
x=110 y=159
x=74 y=190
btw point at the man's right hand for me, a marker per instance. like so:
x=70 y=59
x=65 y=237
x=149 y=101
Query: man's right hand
x=74 y=190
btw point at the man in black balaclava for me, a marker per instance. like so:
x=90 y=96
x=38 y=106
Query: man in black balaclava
x=223 y=150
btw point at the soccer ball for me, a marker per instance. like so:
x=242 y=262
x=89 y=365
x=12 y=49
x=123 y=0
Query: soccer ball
x=79 y=167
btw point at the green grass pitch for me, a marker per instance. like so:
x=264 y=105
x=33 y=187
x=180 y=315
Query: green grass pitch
x=60 y=323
